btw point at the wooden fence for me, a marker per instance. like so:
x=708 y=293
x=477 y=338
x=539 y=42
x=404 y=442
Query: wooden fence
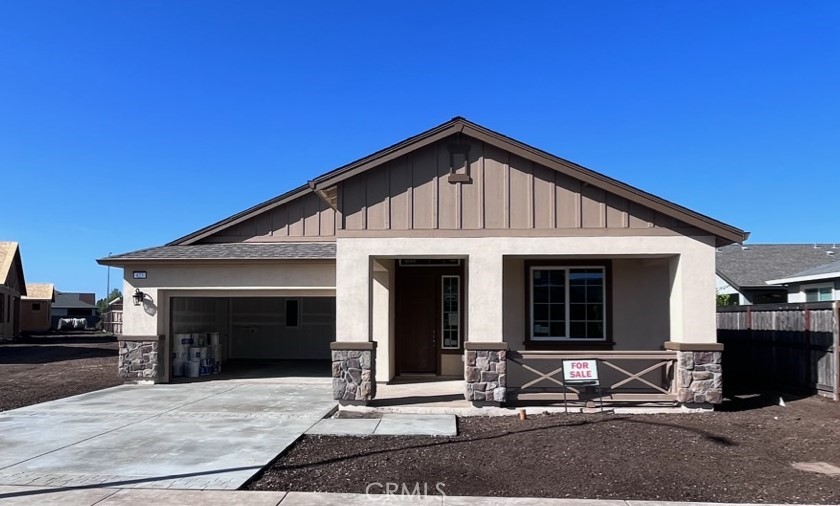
x=789 y=346
x=112 y=322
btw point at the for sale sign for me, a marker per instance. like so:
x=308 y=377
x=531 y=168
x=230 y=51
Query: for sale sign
x=580 y=371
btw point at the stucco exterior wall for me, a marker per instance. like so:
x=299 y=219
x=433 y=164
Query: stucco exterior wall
x=216 y=280
x=690 y=281
x=640 y=294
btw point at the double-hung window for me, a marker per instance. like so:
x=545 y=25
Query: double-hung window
x=568 y=303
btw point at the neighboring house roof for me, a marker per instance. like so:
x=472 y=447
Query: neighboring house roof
x=754 y=265
x=40 y=291
x=827 y=271
x=71 y=300
x=321 y=185
x=9 y=260
x=229 y=251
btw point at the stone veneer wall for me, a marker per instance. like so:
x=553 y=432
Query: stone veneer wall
x=138 y=360
x=354 y=371
x=699 y=377
x=485 y=375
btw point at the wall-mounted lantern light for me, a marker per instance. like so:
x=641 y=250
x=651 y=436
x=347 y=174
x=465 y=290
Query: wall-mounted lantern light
x=138 y=297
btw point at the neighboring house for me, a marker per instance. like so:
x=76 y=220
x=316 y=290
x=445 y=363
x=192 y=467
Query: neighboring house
x=35 y=307
x=12 y=288
x=818 y=284
x=73 y=305
x=751 y=272
x=457 y=253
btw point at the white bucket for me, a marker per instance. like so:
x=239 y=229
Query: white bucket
x=213 y=338
x=194 y=353
x=178 y=368
x=193 y=368
x=183 y=339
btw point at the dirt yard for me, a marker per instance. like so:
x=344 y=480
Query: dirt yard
x=44 y=368
x=743 y=455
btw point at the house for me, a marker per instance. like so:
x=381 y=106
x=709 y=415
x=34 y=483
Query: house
x=817 y=284
x=35 y=307
x=73 y=305
x=12 y=288
x=456 y=253
x=752 y=272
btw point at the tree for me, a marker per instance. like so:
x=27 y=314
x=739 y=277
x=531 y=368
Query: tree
x=102 y=304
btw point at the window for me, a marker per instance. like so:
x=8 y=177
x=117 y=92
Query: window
x=292 y=312
x=36 y=306
x=568 y=303
x=2 y=307
x=818 y=294
x=451 y=312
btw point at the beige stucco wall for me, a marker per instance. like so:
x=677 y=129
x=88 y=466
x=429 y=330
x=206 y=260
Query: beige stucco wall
x=690 y=280
x=32 y=320
x=638 y=309
x=216 y=280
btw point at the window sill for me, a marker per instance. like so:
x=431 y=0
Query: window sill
x=569 y=345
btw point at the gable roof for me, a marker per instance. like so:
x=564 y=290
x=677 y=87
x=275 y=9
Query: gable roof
x=10 y=259
x=827 y=271
x=726 y=234
x=71 y=300
x=228 y=251
x=40 y=291
x=754 y=265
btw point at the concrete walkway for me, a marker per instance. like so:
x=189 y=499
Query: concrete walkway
x=12 y=496
x=207 y=435
x=388 y=425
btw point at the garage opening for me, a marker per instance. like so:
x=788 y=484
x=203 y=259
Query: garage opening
x=250 y=337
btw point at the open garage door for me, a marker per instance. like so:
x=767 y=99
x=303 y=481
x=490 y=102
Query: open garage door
x=255 y=336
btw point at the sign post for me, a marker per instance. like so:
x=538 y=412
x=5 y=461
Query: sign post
x=582 y=372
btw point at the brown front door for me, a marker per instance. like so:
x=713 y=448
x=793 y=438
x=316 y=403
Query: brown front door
x=416 y=321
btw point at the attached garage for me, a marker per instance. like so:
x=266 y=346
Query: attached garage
x=266 y=335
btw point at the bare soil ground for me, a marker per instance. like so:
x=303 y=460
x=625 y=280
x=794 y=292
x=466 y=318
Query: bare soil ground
x=743 y=454
x=44 y=368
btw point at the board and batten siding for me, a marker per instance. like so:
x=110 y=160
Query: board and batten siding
x=506 y=192
x=308 y=217
x=413 y=193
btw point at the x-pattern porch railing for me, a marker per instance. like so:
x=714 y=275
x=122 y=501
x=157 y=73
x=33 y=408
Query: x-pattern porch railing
x=545 y=385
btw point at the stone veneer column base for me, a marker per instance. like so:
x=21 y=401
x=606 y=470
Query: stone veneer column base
x=485 y=372
x=354 y=371
x=139 y=358
x=699 y=373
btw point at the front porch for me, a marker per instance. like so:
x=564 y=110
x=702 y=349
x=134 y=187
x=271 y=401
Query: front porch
x=501 y=323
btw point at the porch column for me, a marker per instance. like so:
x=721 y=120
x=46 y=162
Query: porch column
x=354 y=353
x=698 y=375
x=485 y=360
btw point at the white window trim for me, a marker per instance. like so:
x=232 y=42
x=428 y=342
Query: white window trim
x=817 y=286
x=565 y=338
x=442 y=336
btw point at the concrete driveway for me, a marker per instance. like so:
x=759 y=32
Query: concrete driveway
x=210 y=435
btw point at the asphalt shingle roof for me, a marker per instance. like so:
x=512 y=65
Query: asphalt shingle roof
x=233 y=251
x=754 y=264
x=831 y=268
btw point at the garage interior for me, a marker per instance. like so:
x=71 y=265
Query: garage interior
x=258 y=336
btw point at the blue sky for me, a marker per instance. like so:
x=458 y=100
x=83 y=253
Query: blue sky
x=126 y=124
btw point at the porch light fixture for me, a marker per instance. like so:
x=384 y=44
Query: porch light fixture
x=138 y=297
